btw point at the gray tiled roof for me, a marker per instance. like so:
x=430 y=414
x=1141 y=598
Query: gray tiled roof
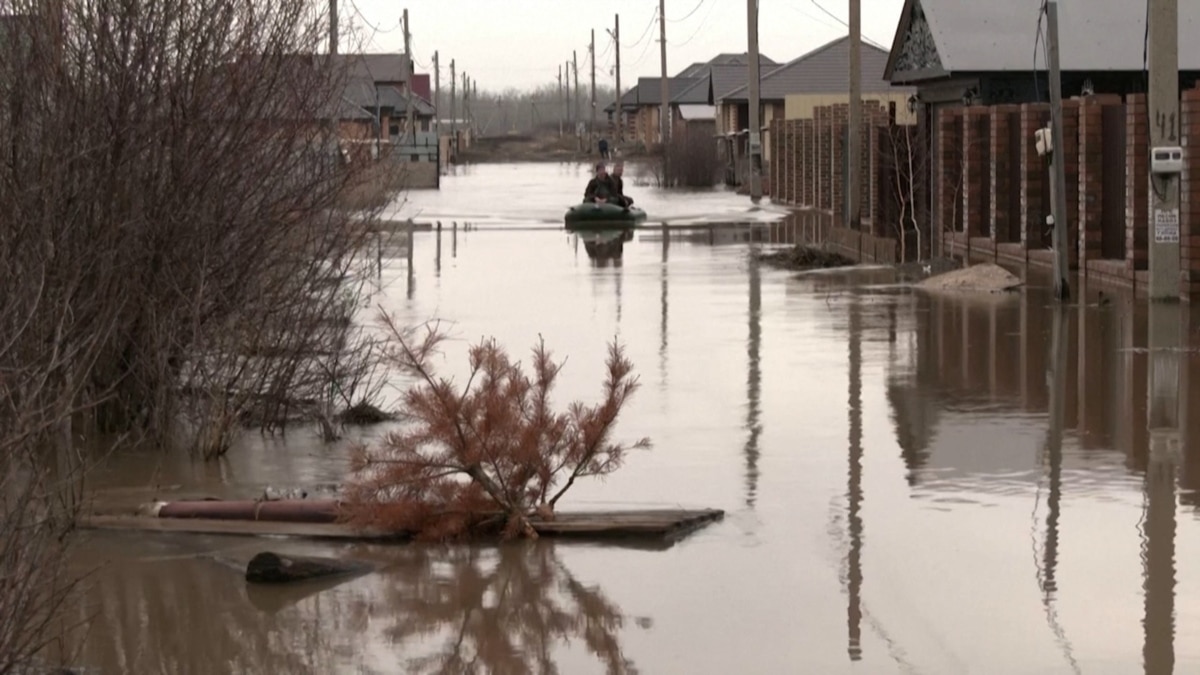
x=679 y=90
x=824 y=70
x=1094 y=35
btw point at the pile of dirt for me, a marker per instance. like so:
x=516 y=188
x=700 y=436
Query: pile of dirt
x=801 y=257
x=983 y=278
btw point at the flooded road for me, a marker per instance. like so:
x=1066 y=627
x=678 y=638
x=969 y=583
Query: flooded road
x=904 y=494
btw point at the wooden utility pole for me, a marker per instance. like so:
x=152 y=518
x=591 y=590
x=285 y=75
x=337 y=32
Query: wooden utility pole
x=575 y=100
x=755 y=83
x=409 y=127
x=560 y=96
x=592 y=127
x=854 y=133
x=437 y=97
x=453 y=114
x=474 y=98
x=1058 y=164
x=1163 y=102
x=620 y=114
x=567 y=97
x=664 y=91
x=333 y=27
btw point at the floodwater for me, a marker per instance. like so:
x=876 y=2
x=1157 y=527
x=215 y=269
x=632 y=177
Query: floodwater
x=906 y=490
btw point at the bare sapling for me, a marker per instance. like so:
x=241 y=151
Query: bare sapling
x=490 y=455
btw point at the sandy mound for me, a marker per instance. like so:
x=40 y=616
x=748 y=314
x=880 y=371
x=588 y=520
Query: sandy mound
x=987 y=278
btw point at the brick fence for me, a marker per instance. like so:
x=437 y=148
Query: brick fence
x=991 y=192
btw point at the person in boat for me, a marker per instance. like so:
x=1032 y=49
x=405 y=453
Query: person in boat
x=618 y=185
x=599 y=189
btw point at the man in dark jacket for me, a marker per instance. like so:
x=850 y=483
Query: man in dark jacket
x=618 y=185
x=600 y=189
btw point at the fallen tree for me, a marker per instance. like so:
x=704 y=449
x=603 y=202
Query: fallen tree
x=491 y=455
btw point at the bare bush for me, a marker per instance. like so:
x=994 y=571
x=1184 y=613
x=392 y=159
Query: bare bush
x=906 y=164
x=692 y=161
x=490 y=455
x=178 y=237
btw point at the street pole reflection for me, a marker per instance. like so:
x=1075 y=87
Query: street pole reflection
x=1056 y=383
x=854 y=488
x=1163 y=420
x=753 y=378
x=662 y=328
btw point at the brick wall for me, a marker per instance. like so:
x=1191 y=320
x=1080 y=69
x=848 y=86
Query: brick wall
x=975 y=170
x=1070 y=155
x=1000 y=181
x=1189 y=212
x=1137 y=252
x=824 y=140
x=808 y=162
x=948 y=155
x=1034 y=174
x=793 y=161
x=789 y=158
x=837 y=145
x=1091 y=180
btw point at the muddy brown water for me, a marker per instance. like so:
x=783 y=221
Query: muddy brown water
x=896 y=501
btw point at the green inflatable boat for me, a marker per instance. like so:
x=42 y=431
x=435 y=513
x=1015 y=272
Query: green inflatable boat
x=588 y=216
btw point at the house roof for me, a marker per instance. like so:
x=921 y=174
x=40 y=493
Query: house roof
x=699 y=69
x=824 y=70
x=727 y=78
x=377 y=67
x=679 y=90
x=1094 y=35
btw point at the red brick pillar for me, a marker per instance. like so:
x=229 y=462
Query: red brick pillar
x=808 y=162
x=824 y=157
x=790 y=160
x=949 y=156
x=1091 y=178
x=1189 y=196
x=1070 y=154
x=773 y=165
x=975 y=166
x=1035 y=173
x=1002 y=156
x=837 y=149
x=876 y=125
x=1137 y=229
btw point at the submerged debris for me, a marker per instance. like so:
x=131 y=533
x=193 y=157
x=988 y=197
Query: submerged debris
x=801 y=257
x=986 y=278
x=363 y=414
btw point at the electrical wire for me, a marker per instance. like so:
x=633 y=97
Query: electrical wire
x=645 y=50
x=376 y=29
x=702 y=23
x=811 y=17
x=653 y=18
x=689 y=14
x=838 y=19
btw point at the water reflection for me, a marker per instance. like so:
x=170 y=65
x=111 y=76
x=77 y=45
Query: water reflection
x=753 y=377
x=1164 y=419
x=1047 y=567
x=506 y=609
x=854 y=489
x=605 y=247
x=662 y=327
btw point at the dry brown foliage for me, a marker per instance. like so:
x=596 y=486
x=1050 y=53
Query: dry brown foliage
x=492 y=454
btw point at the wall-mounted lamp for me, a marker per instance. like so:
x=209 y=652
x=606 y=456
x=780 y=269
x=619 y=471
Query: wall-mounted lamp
x=913 y=103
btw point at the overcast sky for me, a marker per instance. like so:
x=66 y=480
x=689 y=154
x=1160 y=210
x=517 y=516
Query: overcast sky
x=520 y=43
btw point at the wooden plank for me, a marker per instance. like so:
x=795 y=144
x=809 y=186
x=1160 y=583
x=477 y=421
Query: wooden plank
x=662 y=525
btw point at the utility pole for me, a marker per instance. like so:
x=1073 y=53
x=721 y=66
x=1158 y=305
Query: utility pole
x=575 y=101
x=474 y=98
x=1058 y=164
x=409 y=127
x=437 y=97
x=664 y=91
x=1163 y=102
x=453 y=114
x=333 y=27
x=755 y=83
x=854 y=142
x=592 y=128
x=567 y=97
x=560 y=95
x=616 y=36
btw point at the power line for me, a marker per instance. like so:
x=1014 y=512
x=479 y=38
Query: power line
x=702 y=22
x=646 y=32
x=838 y=19
x=645 y=50
x=377 y=30
x=689 y=14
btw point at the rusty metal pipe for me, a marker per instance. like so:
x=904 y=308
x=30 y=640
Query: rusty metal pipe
x=282 y=510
